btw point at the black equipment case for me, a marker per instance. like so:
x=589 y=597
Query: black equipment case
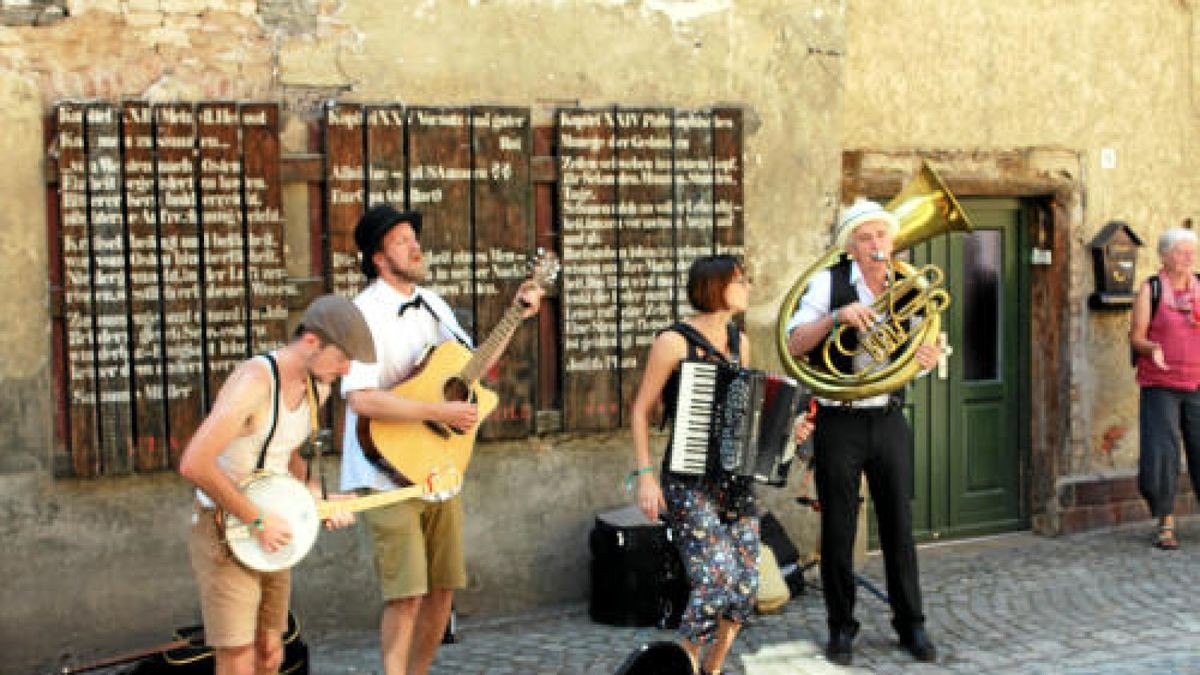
x=637 y=576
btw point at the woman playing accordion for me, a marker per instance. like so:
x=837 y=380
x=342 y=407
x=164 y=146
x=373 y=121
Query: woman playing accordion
x=713 y=514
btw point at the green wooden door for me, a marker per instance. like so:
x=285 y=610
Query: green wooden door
x=966 y=414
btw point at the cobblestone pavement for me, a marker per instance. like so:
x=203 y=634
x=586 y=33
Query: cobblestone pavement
x=1102 y=602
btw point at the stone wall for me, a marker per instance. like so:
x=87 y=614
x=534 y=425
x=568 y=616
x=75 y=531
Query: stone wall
x=95 y=567
x=984 y=77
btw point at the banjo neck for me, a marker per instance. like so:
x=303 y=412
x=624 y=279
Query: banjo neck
x=328 y=509
x=437 y=483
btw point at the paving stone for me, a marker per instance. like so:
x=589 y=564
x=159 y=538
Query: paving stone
x=1096 y=603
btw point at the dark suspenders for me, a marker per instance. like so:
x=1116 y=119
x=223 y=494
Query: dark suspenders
x=262 y=455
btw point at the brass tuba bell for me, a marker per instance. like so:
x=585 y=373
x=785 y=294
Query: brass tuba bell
x=924 y=208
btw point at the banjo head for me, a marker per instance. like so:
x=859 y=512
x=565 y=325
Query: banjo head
x=287 y=498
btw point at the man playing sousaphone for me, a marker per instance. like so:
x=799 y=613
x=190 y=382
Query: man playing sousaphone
x=868 y=434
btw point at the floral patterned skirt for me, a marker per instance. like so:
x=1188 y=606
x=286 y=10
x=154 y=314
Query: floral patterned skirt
x=720 y=555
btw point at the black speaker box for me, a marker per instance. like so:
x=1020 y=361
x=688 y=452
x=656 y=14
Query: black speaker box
x=637 y=576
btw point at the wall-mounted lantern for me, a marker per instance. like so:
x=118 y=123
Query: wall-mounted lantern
x=1114 y=262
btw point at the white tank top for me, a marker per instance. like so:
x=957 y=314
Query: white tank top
x=241 y=456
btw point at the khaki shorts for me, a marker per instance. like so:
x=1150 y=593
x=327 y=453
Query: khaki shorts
x=236 y=603
x=418 y=547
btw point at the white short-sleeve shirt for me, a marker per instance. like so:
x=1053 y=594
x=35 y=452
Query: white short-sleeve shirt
x=400 y=342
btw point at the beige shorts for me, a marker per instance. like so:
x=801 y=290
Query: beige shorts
x=236 y=603
x=418 y=547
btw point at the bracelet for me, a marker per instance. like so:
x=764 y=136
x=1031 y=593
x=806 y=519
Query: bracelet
x=833 y=316
x=633 y=476
x=258 y=522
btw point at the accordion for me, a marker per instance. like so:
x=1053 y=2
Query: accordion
x=734 y=420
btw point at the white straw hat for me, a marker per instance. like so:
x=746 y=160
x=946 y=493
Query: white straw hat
x=863 y=211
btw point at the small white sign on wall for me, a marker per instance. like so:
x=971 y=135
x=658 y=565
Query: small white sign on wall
x=1108 y=158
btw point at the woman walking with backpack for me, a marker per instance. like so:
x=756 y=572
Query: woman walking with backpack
x=1165 y=335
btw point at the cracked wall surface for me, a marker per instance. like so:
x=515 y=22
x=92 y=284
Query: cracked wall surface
x=779 y=60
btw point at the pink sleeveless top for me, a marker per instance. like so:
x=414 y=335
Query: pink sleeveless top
x=1175 y=326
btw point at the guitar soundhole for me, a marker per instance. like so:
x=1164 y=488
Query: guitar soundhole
x=456 y=390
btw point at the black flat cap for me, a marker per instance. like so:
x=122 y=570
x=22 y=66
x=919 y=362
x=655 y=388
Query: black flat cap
x=374 y=224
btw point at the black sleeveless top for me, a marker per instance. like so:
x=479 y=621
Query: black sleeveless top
x=734 y=495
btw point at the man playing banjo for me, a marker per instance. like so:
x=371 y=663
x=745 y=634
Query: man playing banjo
x=260 y=419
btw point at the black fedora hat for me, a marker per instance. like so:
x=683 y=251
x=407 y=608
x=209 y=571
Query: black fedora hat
x=373 y=225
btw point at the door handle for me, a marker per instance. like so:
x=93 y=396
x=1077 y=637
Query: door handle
x=943 y=366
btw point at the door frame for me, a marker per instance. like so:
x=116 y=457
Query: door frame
x=1050 y=181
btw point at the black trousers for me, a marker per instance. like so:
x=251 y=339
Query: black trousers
x=849 y=442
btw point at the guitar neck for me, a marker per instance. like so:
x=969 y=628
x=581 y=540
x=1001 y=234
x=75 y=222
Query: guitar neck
x=332 y=508
x=492 y=345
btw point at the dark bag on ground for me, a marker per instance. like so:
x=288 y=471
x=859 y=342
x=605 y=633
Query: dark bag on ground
x=657 y=658
x=198 y=659
x=637 y=576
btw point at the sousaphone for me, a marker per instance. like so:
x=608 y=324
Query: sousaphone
x=909 y=310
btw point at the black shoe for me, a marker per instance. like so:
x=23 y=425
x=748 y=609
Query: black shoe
x=917 y=643
x=840 y=649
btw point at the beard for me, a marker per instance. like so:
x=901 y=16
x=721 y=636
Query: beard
x=413 y=273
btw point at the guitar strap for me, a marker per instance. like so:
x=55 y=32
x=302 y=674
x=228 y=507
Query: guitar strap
x=462 y=340
x=262 y=455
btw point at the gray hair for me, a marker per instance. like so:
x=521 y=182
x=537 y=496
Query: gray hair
x=1173 y=236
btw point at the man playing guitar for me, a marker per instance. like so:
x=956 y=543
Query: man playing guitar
x=260 y=419
x=417 y=544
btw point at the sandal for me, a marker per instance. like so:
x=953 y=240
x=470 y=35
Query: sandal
x=1165 y=539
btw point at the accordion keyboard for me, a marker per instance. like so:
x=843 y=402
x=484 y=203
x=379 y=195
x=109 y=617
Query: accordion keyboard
x=693 y=417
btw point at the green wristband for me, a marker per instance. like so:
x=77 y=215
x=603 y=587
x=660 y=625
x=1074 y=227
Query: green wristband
x=633 y=476
x=258 y=523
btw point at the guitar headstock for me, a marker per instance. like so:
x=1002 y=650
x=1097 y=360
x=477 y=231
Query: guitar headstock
x=543 y=269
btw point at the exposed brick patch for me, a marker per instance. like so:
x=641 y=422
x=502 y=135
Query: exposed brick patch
x=1090 y=494
x=1104 y=501
x=1132 y=511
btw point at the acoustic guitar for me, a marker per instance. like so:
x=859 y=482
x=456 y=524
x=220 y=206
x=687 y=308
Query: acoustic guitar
x=288 y=498
x=448 y=373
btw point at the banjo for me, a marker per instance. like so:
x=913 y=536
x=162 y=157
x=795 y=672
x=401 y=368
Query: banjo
x=290 y=499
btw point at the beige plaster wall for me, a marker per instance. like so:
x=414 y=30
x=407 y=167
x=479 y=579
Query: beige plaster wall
x=71 y=565
x=1082 y=75
x=764 y=55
